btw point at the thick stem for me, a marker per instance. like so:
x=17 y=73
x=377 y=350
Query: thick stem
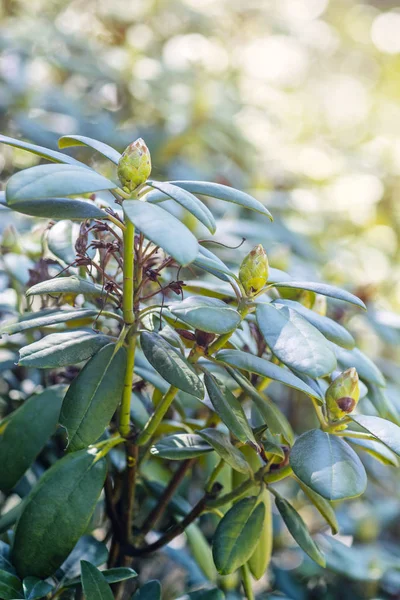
x=246 y=581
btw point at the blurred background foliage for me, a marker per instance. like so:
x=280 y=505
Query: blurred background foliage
x=296 y=101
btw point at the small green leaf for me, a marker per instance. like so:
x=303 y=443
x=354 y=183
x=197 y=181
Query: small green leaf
x=363 y=365
x=229 y=409
x=35 y=588
x=323 y=289
x=254 y=364
x=322 y=505
x=226 y=450
x=149 y=591
x=52 y=155
x=294 y=341
x=299 y=531
x=181 y=446
x=52 y=181
x=185 y=199
x=47 y=318
x=385 y=431
x=10 y=586
x=171 y=364
x=67 y=285
x=328 y=465
x=237 y=535
x=80 y=140
x=94 y=585
x=62 y=349
x=93 y=397
x=206 y=314
x=163 y=229
x=110 y=575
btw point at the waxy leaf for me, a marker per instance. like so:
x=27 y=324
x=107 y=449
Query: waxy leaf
x=229 y=409
x=94 y=585
x=25 y=432
x=10 y=586
x=35 y=588
x=93 y=397
x=330 y=329
x=181 y=446
x=385 y=431
x=299 y=531
x=59 y=209
x=163 y=229
x=226 y=450
x=47 y=318
x=364 y=365
x=185 y=199
x=254 y=364
x=323 y=289
x=80 y=140
x=260 y=559
x=237 y=535
x=328 y=465
x=52 y=181
x=110 y=575
x=294 y=341
x=322 y=505
x=62 y=349
x=171 y=364
x=52 y=155
x=212 y=266
x=66 y=285
x=149 y=591
x=376 y=449
x=208 y=314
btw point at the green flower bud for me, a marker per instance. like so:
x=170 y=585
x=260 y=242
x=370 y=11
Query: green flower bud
x=343 y=394
x=253 y=272
x=134 y=166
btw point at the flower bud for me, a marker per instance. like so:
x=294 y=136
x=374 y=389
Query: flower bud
x=134 y=166
x=343 y=394
x=253 y=272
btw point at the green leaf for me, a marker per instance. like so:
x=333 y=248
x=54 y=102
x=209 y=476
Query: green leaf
x=163 y=229
x=254 y=364
x=185 y=199
x=35 y=588
x=224 y=192
x=299 y=531
x=171 y=364
x=261 y=557
x=149 y=591
x=67 y=285
x=59 y=209
x=10 y=586
x=364 y=365
x=323 y=289
x=52 y=181
x=201 y=551
x=376 y=449
x=52 y=155
x=237 y=535
x=213 y=594
x=226 y=450
x=294 y=341
x=207 y=314
x=110 y=575
x=181 y=446
x=322 y=505
x=94 y=585
x=330 y=329
x=47 y=318
x=229 y=409
x=328 y=465
x=385 y=431
x=62 y=349
x=25 y=432
x=216 y=268
x=93 y=397
x=80 y=140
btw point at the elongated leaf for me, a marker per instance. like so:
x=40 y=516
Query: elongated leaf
x=299 y=531
x=226 y=450
x=224 y=192
x=208 y=314
x=330 y=329
x=52 y=181
x=181 y=446
x=171 y=364
x=66 y=285
x=261 y=557
x=149 y=591
x=229 y=409
x=216 y=268
x=213 y=594
x=328 y=465
x=294 y=341
x=201 y=551
x=59 y=209
x=376 y=449
x=47 y=318
x=110 y=575
x=163 y=229
x=10 y=586
x=254 y=364
x=322 y=505
x=385 y=431
x=185 y=199
x=25 y=432
x=323 y=289
x=52 y=155
x=80 y=140
x=93 y=397
x=237 y=535
x=62 y=349
x=93 y=583
x=35 y=588
x=364 y=365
